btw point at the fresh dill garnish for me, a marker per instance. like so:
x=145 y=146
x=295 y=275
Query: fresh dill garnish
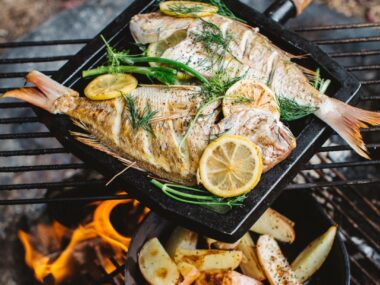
x=214 y=90
x=143 y=120
x=290 y=110
x=222 y=9
x=196 y=196
x=213 y=40
x=183 y=9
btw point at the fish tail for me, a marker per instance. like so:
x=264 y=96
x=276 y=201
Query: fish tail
x=47 y=91
x=347 y=122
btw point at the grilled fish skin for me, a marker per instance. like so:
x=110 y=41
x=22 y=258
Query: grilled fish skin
x=252 y=55
x=274 y=140
x=158 y=152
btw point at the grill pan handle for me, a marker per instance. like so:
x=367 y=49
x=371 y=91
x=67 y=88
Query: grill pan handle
x=283 y=10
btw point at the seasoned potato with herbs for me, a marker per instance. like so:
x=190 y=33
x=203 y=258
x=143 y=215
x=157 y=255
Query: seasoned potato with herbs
x=314 y=255
x=181 y=238
x=210 y=259
x=212 y=243
x=250 y=265
x=274 y=263
x=275 y=224
x=189 y=273
x=156 y=265
x=225 y=278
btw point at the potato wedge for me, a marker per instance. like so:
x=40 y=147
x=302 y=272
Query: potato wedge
x=156 y=265
x=273 y=262
x=275 y=224
x=314 y=255
x=250 y=265
x=225 y=278
x=189 y=273
x=210 y=259
x=181 y=238
x=212 y=243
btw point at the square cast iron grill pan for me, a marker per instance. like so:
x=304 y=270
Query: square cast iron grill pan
x=310 y=132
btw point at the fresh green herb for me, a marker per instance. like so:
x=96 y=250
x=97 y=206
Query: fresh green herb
x=140 y=121
x=223 y=9
x=183 y=9
x=290 y=110
x=196 y=196
x=215 y=43
x=163 y=74
x=214 y=90
x=320 y=83
x=116 y=58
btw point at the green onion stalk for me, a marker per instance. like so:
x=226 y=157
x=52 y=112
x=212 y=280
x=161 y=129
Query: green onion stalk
x=186 y=194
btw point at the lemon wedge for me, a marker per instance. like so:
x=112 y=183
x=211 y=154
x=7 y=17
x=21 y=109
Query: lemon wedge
x=109 y=86
x=187 y=9
x=230 y=166
x=249 y=94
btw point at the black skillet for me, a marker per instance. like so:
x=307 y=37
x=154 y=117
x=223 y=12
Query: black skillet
x=300 y=207
x=310 y=132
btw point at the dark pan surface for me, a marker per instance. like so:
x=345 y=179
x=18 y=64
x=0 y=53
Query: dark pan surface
x=300 y=207
x=310 y=132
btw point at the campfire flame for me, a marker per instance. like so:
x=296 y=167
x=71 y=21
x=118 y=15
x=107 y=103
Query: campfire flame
x=62 y=266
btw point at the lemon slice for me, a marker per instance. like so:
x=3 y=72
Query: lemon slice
x=109 y=86
x=230 y=166
x=158 y=48
x=187 y=9
x=249 y=94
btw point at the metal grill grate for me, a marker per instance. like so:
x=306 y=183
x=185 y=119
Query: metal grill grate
x=339 y=179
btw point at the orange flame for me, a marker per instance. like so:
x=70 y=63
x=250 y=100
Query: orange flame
x=61 y=268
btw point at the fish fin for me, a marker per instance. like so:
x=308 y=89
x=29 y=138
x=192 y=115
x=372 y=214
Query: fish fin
x=347 y=122
x=50 y=88
x=308 y=72
x=93 y=142
x=299 y=56
x=32 y=96
x=46 y=93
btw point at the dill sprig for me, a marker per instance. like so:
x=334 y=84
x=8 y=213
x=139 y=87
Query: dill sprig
x=290 y=110
x=143 y=120
x=214 y=90
x=183 y=9
x=196 y=196
x=213 y=40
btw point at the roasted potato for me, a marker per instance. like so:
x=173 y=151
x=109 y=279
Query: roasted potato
x=210 y=259
x=212 y=243
x=314 y=255
x=225 y=278
x=250 y=265
x=275 y=224
x=273 y=262
x=181 y=238
x=189 y=273
x=156 y=265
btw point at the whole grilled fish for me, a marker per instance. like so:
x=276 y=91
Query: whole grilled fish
x=159 y=151
x=252 y=55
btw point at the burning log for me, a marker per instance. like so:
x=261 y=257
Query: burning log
x=59 y=255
